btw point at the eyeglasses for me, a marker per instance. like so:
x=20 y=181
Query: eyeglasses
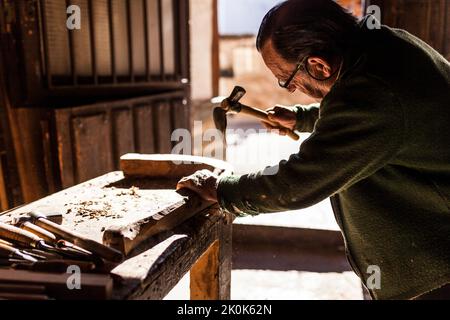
x=285 y=84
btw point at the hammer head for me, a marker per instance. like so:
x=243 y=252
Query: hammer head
x=230 y=104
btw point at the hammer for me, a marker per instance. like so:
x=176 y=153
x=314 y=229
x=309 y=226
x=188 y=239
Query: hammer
x=232 y=104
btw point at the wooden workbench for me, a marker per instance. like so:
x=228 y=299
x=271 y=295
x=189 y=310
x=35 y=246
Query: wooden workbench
x=201 y=245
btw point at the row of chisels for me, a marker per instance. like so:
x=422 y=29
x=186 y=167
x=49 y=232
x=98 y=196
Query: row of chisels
x=34 y=242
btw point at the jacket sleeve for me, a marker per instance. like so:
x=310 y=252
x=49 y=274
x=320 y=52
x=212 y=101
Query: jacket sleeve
x=360 y=129
x=307 y=117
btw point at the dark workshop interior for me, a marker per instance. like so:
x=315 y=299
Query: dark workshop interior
x=86 y=116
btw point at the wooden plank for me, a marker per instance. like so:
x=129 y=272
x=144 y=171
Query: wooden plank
x=145 y=133
x=205 y=275
x=92 y=146
x=225 y=257
x=153 y=273
x=164 y=128
x=180 y=115
x=3 y=196
x=23 y=296
x=64 y=142
x=128 y=236
x=122 y=130
x=211 y=275
x=169 y=166
x=93 y=286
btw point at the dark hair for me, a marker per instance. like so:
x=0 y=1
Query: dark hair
x=300 y=28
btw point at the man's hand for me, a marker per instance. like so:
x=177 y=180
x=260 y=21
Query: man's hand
x=203 y=182
x=285 y=116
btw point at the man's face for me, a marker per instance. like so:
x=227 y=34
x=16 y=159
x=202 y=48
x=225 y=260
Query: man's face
x=282 y=70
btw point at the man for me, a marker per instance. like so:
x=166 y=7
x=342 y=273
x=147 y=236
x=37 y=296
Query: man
x=380 y=143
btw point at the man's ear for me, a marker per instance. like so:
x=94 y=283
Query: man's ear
x=319 y=68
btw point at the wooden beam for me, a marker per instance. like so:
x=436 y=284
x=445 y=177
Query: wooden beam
x=205 y=275
x=211 y=275
x=93 y=286
x=169 y=166
x=155 y=272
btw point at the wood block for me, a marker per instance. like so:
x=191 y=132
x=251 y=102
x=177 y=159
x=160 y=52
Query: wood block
x=205 y=283
x=169 y=166
x=128 y=236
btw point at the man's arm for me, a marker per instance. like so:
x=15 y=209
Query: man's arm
x=360 y=130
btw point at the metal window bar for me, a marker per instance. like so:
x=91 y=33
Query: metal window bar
x=161 y=41
x=183 y=18
x=72 y=54
x=46 y=45
x=72 y=80
x=177 y=48
x=130 y=41
x=147 y=43
x=93 y=42
x=113 y=43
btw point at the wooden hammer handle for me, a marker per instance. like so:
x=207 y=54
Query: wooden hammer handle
x=264 y=116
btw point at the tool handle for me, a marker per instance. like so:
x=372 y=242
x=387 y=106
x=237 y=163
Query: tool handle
x=20 y=236
x=264 y=116
x=101 y=250
x=38 y=231
x=6 y=251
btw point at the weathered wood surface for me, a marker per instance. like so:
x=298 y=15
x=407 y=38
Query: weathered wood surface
x=93 y=286
x=126 y=237
x=152 y=274
x=169 y=165
x=162 y=260
x=94 y=206
x=91 y=138
x=211 y=275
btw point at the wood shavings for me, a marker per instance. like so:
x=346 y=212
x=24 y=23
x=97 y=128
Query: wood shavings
x=93 y=210
x=133 y=191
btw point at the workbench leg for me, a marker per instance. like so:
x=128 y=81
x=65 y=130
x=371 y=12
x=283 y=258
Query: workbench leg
x=211 y=275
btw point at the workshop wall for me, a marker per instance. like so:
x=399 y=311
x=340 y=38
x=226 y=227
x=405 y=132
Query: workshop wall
x=125 y=49
x=428 y=20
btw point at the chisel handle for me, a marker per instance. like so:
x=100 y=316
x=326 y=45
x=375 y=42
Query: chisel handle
x=14 y=234
x=99 y=249
x=6 y=251
x=38 y=231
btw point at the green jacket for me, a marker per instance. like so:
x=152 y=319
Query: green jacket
x=380 y=148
